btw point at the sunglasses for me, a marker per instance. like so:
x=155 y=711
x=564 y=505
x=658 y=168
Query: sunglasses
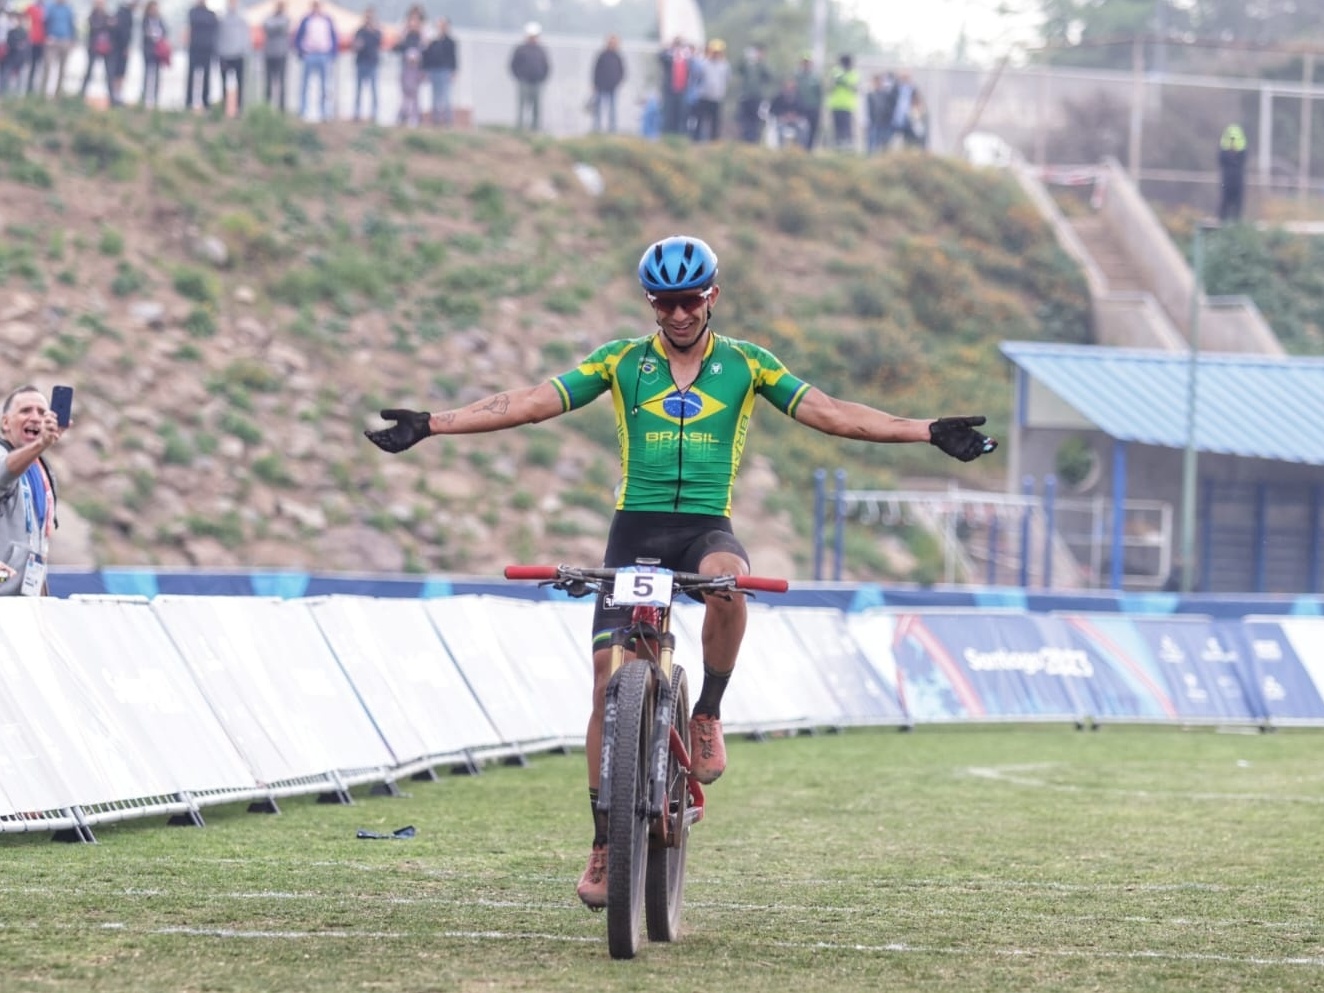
x=667 y=302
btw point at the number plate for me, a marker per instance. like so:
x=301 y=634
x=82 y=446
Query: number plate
x=642 y=586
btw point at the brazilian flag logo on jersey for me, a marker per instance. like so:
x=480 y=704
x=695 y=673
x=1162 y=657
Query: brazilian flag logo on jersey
x=688 y=406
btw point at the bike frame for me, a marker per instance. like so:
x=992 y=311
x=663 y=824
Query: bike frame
x=646 y=720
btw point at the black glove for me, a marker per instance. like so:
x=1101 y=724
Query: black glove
x=411 y=427
x=958 y=438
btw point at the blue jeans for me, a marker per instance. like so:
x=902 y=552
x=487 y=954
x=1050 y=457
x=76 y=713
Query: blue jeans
x=366 y=76
x=604 y=98
x=442 y=111
x=316 y=64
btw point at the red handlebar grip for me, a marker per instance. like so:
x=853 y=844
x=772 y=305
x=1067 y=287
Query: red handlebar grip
x=531 y=572
x=763 y=583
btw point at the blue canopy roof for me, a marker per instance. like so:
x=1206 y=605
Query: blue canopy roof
x=1253 y=406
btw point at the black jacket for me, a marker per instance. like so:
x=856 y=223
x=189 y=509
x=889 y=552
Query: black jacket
x=440 y=54
x=529 y=63
x=608 y=71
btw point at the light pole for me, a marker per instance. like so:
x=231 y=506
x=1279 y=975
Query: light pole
x=1190 y=458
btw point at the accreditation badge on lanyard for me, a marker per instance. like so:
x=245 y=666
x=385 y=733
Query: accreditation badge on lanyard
x=34 y=574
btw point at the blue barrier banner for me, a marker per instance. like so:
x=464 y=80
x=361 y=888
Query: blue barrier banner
x=971 y=664
x=1286 y=666
x=1174 y=668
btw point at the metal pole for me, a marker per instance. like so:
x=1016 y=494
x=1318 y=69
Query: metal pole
x=820 y=506
x=1050 y=525
x=839 y=539
x=1190 y=457
x=1303 y=148
x=1137 y=107
x=819 y=47
x=1027 y=489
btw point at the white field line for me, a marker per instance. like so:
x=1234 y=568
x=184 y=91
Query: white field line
x=730 y=907
x=978 y=884
x=897 y=948
x=1021 y=775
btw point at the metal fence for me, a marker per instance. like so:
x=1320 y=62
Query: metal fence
x=1163 y=126
x=1004 y=539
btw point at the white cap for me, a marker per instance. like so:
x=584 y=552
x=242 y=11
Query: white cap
x=533 y=28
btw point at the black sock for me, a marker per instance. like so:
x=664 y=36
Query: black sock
x=710 y=698
x=599 y=820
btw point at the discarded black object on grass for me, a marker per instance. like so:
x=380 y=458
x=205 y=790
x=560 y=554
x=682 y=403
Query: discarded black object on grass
x=404 y=832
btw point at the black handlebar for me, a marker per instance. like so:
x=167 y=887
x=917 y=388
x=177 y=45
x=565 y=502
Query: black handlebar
x=581 y=581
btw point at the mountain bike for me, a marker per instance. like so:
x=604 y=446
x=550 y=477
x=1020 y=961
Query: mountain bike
x=650 y=797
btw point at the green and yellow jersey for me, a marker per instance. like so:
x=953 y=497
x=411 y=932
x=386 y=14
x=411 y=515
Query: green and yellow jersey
x=680 y=451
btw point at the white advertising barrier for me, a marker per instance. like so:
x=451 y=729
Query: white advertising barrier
x=1285 y=659
x=43 y=765
x=93 y=743
x=124 y=657
x=556 y=668
x=409 y=683
x=826 y=640
x=275 y=686
x=774 y=685
x=873 y=631
x=467 y=626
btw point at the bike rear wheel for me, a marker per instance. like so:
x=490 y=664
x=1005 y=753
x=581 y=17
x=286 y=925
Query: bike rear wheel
x=631 y=693
x=665 y=888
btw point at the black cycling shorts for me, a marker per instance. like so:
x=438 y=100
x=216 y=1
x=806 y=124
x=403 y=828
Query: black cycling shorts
x=679 y=541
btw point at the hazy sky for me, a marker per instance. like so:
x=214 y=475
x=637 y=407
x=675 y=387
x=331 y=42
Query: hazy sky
x=928 y=26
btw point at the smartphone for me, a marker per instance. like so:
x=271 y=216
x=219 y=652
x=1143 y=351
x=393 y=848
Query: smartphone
x=62 y=403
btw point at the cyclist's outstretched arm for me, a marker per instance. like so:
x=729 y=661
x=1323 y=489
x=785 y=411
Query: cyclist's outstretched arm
x=507 y=409
x=954 y=435
x=847 y=419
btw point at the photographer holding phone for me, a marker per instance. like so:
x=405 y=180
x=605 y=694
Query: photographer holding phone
x=28 y=427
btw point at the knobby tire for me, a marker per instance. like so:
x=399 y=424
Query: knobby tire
x=665 y=888
x=627 y=824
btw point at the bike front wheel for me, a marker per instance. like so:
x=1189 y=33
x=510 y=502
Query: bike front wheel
x=631 y=693
x=665 y=887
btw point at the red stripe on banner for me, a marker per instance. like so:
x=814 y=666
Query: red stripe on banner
x=1122 y=658
x=912 y=626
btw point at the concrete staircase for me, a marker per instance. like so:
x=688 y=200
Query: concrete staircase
x=1140 y=283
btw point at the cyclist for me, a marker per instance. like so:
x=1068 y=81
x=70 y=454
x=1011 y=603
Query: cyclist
x=683 y=397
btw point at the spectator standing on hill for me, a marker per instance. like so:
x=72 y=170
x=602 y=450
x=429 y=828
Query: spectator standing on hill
x=410 y=48
x=16 y=52
x=674 y=501
x=754 y=87
x=530 y=67
x=61 y=36
x=844 y=100
x=786 y=111
x=810 y=88
x=100 y=44
x=440 y=62
x=316 y=44
x=713 y=84
x=367 y=57
x=907 y=109
x=608 y=74
x=1231 y=173
x=233 y=41
x=203 y=27
x=121 y=43
x=28 y=429
x=156 y=52
x=276 y=54
x=676 y=67
x=879 y=104
x=35 y=13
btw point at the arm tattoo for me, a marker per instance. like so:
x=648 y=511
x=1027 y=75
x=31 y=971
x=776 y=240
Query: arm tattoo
x=499 y=404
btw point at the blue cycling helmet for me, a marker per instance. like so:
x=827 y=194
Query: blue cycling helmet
x=677 y=263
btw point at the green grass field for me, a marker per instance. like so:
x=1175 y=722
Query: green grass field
x=948 y=859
